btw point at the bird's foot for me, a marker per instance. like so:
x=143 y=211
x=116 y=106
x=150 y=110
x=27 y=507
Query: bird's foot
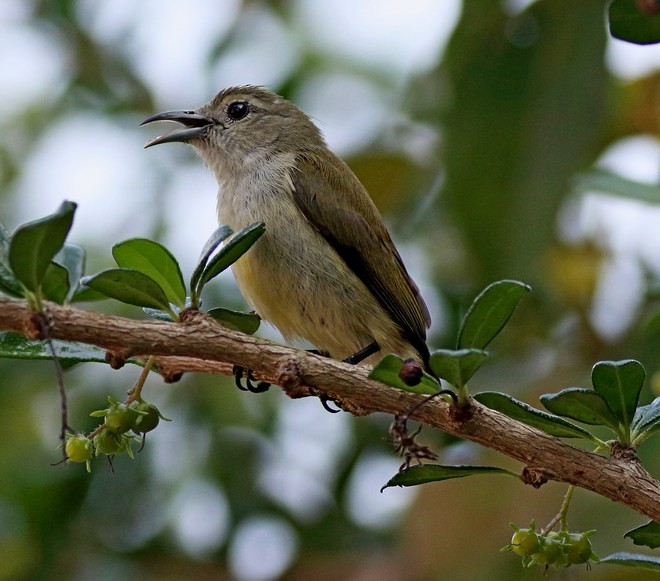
x=240 y=373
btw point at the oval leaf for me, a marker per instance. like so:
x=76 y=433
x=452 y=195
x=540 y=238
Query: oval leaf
x=582 y=405
x=434 y=472
x=247 y=323
x=157 y=314
x=86 y=294
x=129 y=286
x=646 y=421
x=526 y=414
x=16 y=346
x=647 y=535
x=489 y=312
x=457 y=367
x=55 y=286
x=633 y=560
x=619 y=384
x=73 y=258
x=157 y=262
x=34 y=245
x=387 y=371
x=238 y=245
x=8 y=282
x=222 y=233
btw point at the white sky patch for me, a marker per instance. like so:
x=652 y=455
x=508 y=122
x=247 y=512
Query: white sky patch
x=626 y=228
x=629 y=61
x=34 y=68
x=636 y=158
x=400 y=37
x=169 y=42
x=349 y=110
x=199 y=517
x=262 y=548
x=263 y=52
x=94 y=162
x=189 y=197
x=308 y=444
x=366 y=505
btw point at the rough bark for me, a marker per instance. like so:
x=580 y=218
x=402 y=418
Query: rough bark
x=201 y=345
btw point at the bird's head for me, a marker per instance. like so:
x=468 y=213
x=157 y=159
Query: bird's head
x=240 y=123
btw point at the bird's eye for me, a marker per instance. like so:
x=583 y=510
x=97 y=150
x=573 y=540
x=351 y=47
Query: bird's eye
x=238 y=110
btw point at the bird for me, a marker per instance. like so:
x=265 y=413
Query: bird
x=326 y=269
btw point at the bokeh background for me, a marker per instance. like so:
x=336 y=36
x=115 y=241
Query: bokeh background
x=500 y=139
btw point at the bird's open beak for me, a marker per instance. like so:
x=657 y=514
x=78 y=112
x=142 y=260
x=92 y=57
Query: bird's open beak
x=194 y=125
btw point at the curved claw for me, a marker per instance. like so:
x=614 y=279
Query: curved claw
x=324 y=402
x=240 y=372
x=238 y=376
x=324 y=399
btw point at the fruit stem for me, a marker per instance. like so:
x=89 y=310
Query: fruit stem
x=560 y=517
x=136 y=390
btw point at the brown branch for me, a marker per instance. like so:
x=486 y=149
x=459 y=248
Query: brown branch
x=202 y=345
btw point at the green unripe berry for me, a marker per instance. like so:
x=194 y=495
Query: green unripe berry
x=551 y=550
x=120 y=418
x=578 y=549
x=108 y=442
x=147 y=419
x=78 y=448
x=525 y=542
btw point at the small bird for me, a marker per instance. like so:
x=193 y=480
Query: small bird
x=326 y=269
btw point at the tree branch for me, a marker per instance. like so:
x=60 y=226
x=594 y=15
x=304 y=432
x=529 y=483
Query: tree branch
x=199 y=344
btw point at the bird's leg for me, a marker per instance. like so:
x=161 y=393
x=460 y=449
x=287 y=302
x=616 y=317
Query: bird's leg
x=363 y=353
x=240 y=372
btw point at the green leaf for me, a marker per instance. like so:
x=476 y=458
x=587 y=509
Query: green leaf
x=387 y=371
x=633 y=560
x=457 y=367
x=157 y=262
x=434 y=472
x=647 y=535
x=244 y=322
x=73 y=258
x=619 y=383
x=86 y=294
x=221 y=234
x=583 y=405
x=129 y=286
x=55 y=286
x=628 y=23
x=646 y=421
x=35 y=244
x=489 y=312
x=529 y=415
x=8 y=282
x=157 y=314
x=16 y=346
x=237 y=245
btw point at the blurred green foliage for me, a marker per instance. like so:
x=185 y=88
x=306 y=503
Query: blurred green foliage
x=518 y=104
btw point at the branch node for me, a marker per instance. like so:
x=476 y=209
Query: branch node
x=289 y=375
x=190 y=315
x=623 y=452
x=534 y=477
x=461 y=413
x=116 y=359
x=171 y=375
x=36 y=327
